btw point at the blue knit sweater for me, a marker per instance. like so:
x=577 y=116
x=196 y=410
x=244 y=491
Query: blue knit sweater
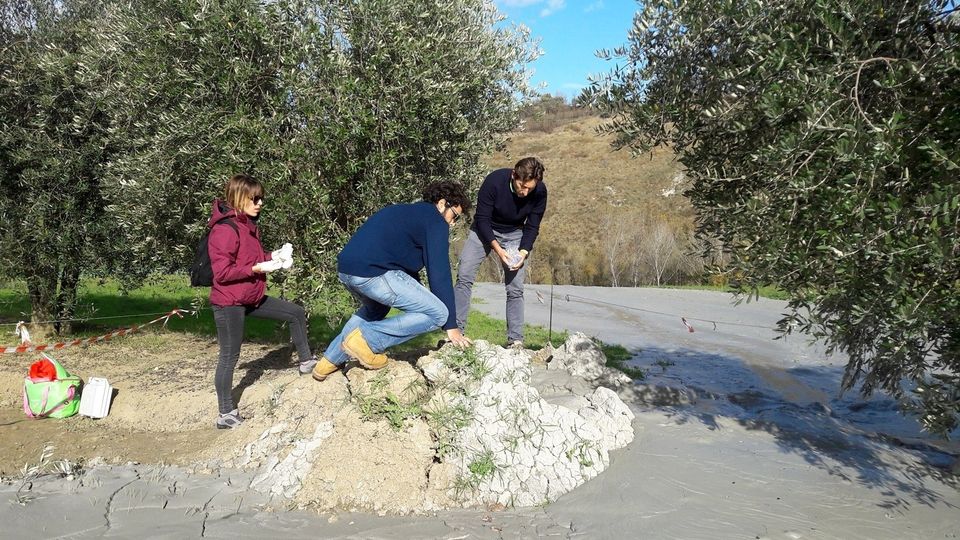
x=405 y=237
x=498 y=208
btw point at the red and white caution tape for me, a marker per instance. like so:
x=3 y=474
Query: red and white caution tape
x=26 y=346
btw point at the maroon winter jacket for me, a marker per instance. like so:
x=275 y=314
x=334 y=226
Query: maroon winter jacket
x=232 y=255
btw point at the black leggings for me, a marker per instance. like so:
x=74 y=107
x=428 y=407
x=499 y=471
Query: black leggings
x=230 y=320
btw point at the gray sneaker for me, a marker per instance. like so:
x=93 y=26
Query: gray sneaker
x=307 y=366
x=229 y=420
x=515 y=345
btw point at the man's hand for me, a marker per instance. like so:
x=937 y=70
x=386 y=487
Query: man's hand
x=523 y=258
x=457 y=338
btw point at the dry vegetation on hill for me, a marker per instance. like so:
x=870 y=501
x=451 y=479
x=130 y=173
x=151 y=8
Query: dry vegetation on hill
x=612 y=219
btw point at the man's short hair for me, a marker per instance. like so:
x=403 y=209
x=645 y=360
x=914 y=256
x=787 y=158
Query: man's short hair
x=528 y=168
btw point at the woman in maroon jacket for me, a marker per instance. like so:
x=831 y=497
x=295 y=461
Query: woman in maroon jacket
x=240 y=284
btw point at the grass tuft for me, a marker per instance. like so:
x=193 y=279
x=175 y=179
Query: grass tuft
x=466 y=362
x=445 y=423
x=376 y=404
x=481 y=468
x=617 y=358
x=44 y=466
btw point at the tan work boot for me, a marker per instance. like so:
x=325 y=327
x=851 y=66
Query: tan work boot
x=323 y=369
x=357 y=347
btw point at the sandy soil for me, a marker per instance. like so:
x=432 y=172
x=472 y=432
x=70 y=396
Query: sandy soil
x=164 y=403
x=164 y=407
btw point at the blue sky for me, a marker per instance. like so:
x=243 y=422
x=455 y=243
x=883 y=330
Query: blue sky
x=570 y=32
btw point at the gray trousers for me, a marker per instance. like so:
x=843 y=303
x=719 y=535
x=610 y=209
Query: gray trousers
x=230 y=319
x=474 y=252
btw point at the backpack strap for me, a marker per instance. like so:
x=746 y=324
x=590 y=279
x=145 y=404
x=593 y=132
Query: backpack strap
x=228 y=220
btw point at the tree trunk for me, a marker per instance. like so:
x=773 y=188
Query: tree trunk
x=67 y=299
x=42 y=287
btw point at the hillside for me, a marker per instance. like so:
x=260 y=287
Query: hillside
x=604 y=206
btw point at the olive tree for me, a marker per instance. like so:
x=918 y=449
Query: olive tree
x=197 y=91
x=396 y=94
x=340 y=107
x=820 y=140
x=53 y=142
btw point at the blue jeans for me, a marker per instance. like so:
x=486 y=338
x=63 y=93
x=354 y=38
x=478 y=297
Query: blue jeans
x=422 y=312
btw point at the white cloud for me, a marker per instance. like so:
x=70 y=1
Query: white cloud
x=552 y=7
x=594 y=6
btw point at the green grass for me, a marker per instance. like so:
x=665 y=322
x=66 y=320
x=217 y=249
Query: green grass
x=481 y=468
x=582 y=452
x=617 y=358
x=376 y=403
x=481 y=326
x=103 y=307
x=446 y=422
x=389 y=408
x=467 y=362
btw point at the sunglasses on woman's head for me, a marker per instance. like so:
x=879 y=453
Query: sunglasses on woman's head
x=258 y=200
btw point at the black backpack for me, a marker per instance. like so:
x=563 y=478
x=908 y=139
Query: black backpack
x=201 y=273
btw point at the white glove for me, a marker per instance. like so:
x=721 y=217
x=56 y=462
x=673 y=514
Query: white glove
x=285 y=251
x=270 y=266
x=284 y=255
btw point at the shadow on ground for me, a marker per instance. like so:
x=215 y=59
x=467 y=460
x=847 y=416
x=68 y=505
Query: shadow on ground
x=280 y=359
x=863 y=439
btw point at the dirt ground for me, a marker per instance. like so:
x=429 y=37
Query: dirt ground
x=164 y=403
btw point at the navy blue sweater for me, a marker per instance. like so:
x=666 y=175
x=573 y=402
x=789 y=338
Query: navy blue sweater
x=499 y=209
x=406 y=237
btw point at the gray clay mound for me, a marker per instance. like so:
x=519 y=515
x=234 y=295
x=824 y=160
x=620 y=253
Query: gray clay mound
x=486 y=426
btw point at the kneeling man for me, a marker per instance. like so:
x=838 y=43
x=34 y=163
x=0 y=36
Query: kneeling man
x=380 y=266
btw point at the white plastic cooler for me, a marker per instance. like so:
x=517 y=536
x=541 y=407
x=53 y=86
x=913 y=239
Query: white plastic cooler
x=95 y=398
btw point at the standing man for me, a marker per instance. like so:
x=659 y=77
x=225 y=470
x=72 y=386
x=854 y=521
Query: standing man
x=380 y=266
x=510 y=207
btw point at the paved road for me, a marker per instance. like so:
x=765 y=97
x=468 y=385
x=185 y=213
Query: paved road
x=651 y=322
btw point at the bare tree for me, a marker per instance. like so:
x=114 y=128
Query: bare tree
x=661 y=250
x=616 y=241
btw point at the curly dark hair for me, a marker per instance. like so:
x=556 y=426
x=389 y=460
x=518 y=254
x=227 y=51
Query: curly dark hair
x=452 y=192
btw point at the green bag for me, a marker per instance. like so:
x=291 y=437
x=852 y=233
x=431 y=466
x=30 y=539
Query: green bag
x=57 y=397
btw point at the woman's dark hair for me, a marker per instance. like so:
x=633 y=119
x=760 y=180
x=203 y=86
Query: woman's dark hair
x=528 y=168
x=452 y=192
